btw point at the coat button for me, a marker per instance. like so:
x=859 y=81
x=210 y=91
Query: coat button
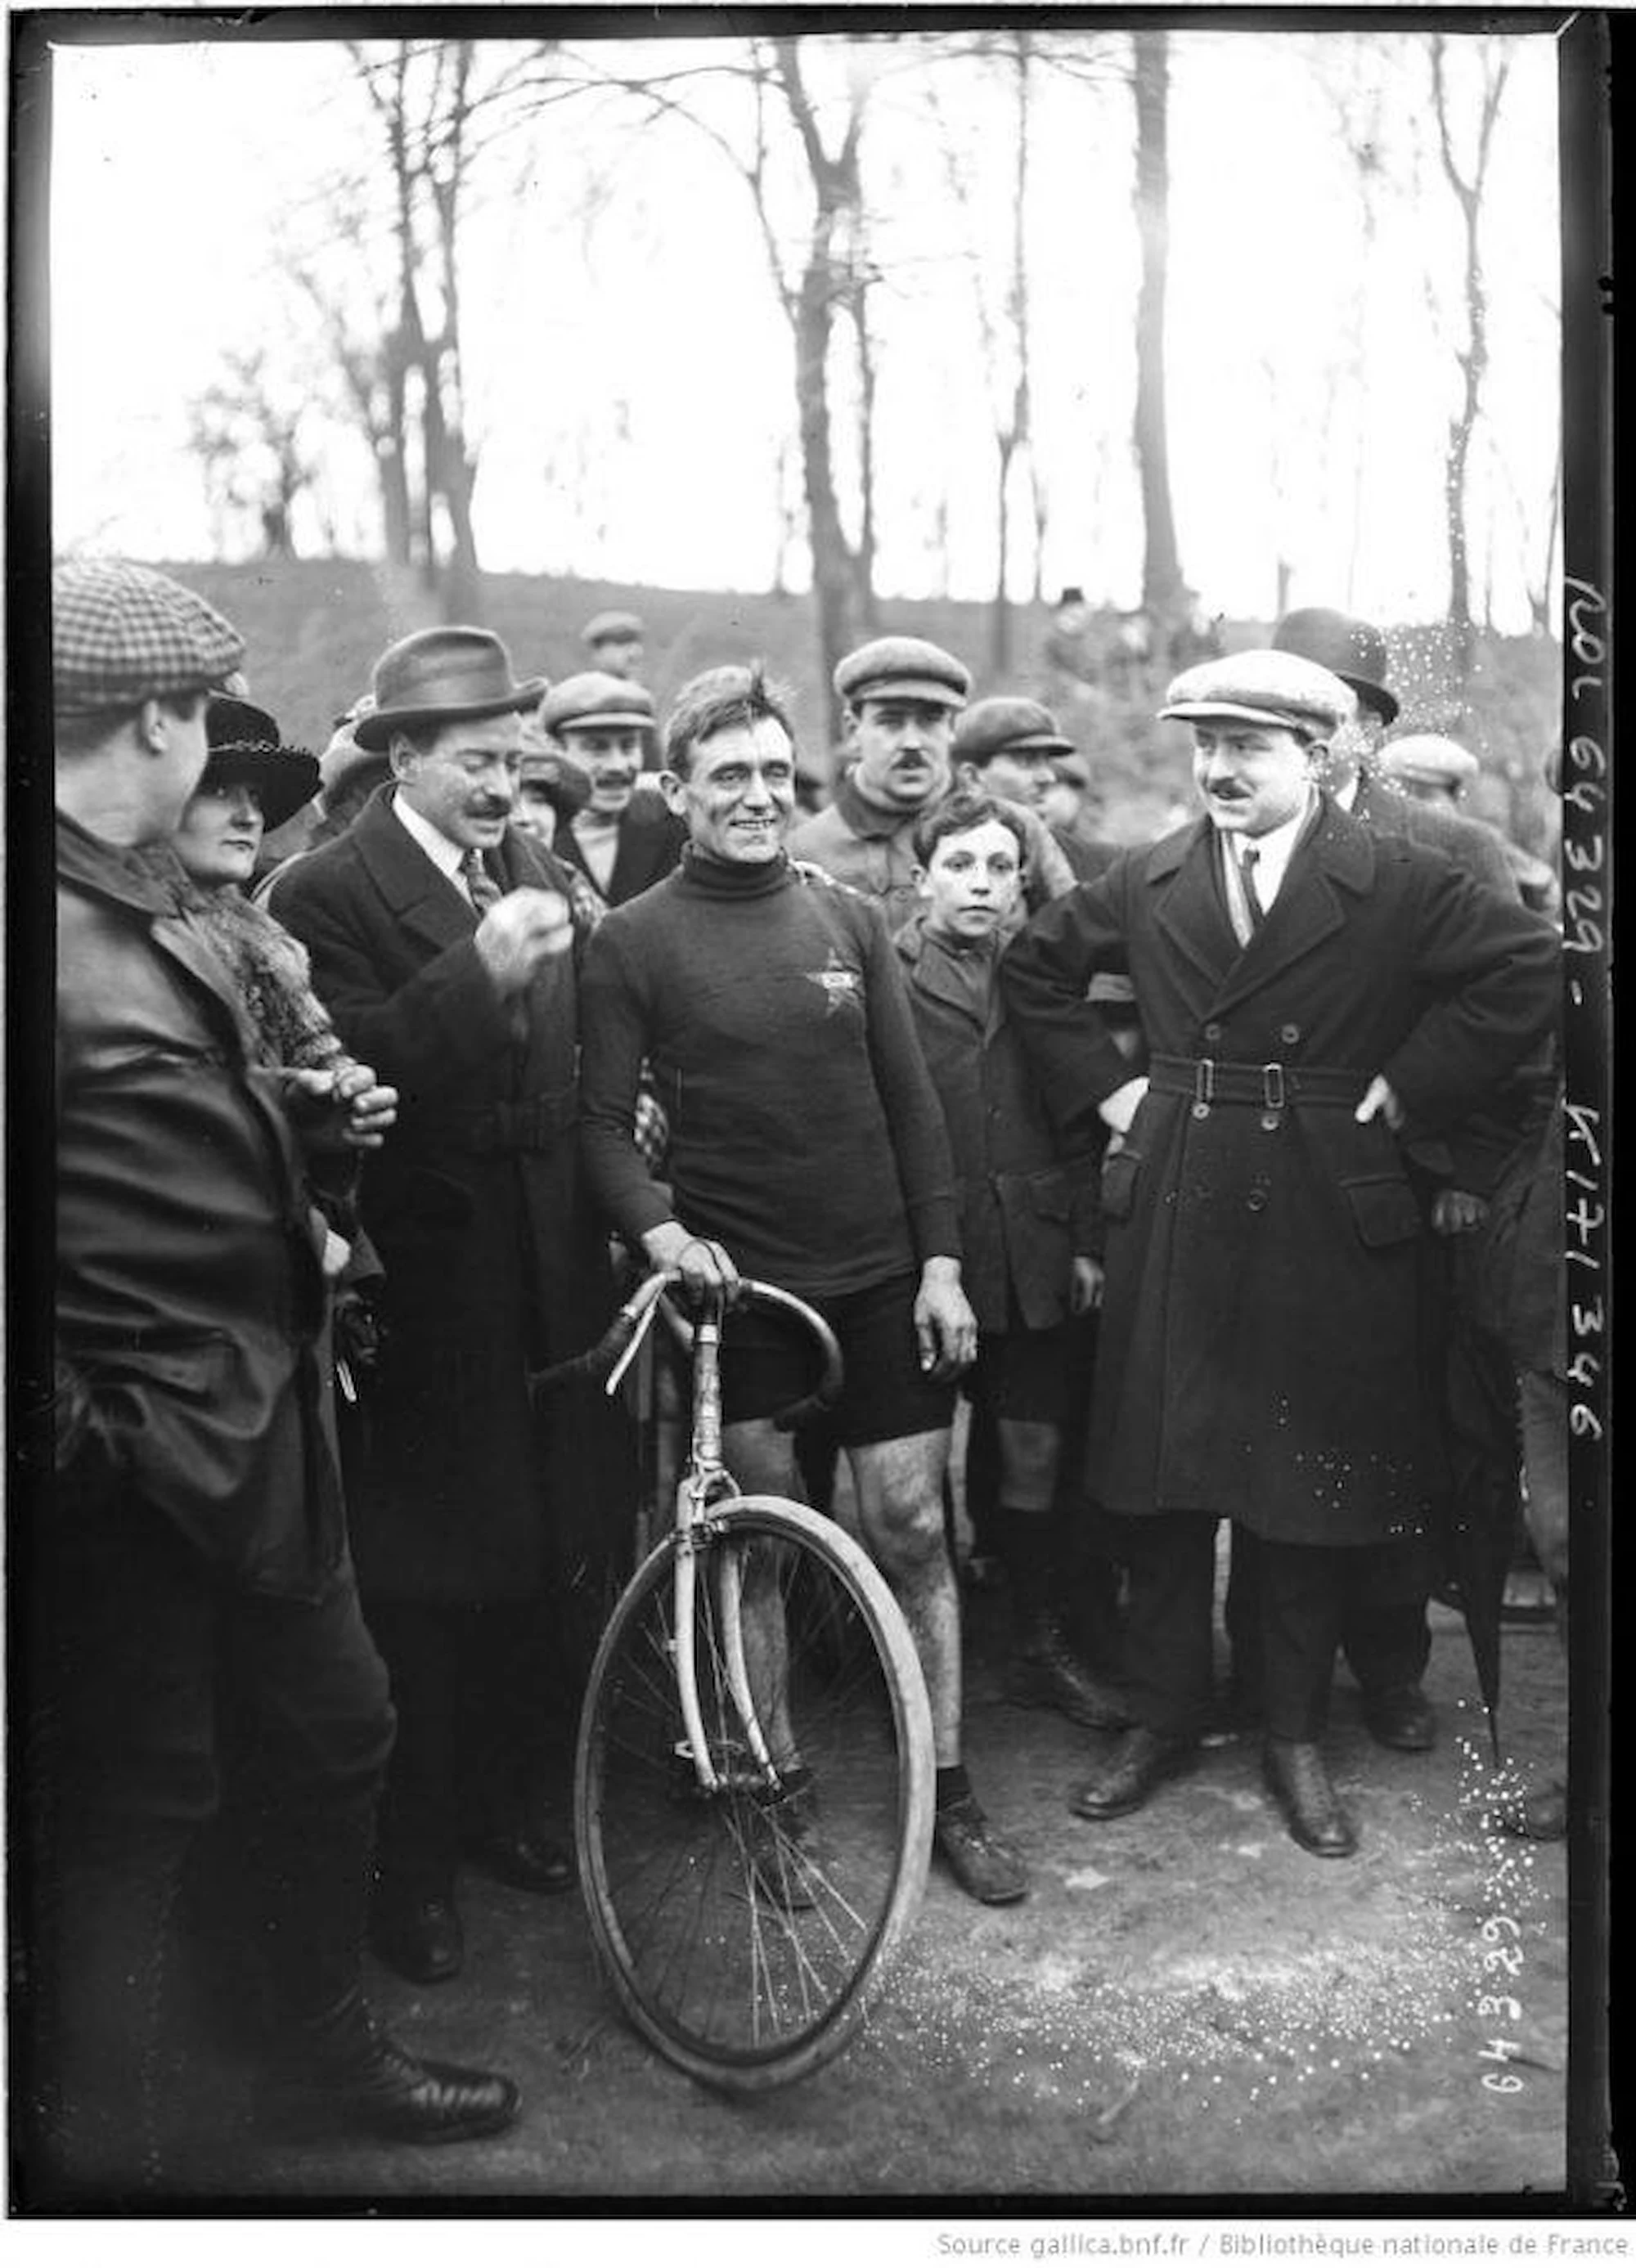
x=1289 y=1034
x=1212 y=1031
x=1256 y=1201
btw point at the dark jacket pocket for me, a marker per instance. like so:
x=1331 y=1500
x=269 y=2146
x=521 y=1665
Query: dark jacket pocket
x=1119 y=1185
x=1051 y=1195
x=1383 y=1208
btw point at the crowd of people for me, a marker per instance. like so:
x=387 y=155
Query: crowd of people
x=1215 y=1174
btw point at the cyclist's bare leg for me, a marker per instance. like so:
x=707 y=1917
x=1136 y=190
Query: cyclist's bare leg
x=761 y=1461
x=900 y=1503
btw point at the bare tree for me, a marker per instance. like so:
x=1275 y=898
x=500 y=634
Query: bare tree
x=252 y=439
x=1467 y=179
x=1162 y=590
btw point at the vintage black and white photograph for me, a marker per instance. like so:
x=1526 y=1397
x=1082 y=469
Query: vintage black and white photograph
x=824 y=1240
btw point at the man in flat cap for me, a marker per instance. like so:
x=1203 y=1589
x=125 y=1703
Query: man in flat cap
x=901 y=697
x=442 y=943
x=807 y=1149
x=193 y=1569
x=1314 y=998
x=625 y=837
x=614 y=640
x=1012 y=746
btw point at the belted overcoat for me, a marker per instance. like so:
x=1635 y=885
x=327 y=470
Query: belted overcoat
x=1260 y=1353
x=494 y=1260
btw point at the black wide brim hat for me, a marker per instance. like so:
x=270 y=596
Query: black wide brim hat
x=244 y=744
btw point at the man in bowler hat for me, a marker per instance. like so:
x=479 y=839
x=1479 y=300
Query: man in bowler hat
x=442 y=942
x=1315 y=999
x=191 y=1573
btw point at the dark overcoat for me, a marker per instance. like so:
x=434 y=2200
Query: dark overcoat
x=651 y=837
x=189 y=1298
x=1260 y=1355
x=494 y=1261
x=1025 y=1208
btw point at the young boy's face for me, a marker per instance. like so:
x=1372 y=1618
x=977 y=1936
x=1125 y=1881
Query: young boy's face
x=972 y=882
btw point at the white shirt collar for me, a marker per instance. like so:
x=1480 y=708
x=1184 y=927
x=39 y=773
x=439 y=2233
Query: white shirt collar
x=444 y=856
x=1274 y=850
x=1348 y=796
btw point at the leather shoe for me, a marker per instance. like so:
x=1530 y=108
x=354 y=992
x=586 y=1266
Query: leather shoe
x=1045 y=1673
x=986 y=1864
x=344 y=2067
x=526 y=1860
x=1400 y=1717
x=1140 y=1761
x=420 y=1937
x=1296 y=1775
x=1540 y=1816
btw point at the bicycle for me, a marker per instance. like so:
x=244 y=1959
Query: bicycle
x=754 y=1777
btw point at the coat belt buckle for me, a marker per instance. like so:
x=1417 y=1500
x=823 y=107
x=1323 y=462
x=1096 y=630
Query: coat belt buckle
x=1204 y=1086
x=1272 y=1096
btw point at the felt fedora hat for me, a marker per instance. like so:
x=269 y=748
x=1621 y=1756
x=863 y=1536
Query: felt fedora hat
x=1352 y=649
x=442 y=677
x=244 y=744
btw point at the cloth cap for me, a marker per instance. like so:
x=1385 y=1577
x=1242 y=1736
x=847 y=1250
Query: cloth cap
x=1429 y=759
x=442 y=677
x=1073 y=768
x=904 y=669
x=1007 y=722
x=121 y=634
x=1263 y=688
x=244 y=744
x=612 y=627
x=594 y=699
x=1353 y=648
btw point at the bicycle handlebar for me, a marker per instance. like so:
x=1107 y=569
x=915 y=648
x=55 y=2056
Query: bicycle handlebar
x=601 y=1361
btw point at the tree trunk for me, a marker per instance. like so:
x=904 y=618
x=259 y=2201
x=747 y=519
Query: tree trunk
x=999 y=617
x=832 y=561
x=1161 y=573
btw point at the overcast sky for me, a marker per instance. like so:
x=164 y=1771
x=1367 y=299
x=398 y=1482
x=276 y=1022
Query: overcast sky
x=630 y=370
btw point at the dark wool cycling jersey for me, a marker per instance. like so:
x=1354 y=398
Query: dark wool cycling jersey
x=804 y=1132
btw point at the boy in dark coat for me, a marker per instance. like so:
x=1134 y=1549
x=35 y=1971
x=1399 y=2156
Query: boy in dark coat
x=1026 y=1221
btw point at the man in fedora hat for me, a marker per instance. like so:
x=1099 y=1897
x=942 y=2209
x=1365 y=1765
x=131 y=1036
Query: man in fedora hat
x=900 y=697
x=441 y=942
x=624 y=838
x=1314 y=998
x=192 y=1573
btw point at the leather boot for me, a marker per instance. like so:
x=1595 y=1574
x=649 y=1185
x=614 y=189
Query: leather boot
x=343 y=2067
x=1298 y=1777
x=1133 y=1771
x=1045 y=1673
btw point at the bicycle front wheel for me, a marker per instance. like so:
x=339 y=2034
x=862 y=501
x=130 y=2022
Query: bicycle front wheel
x=747 y=1926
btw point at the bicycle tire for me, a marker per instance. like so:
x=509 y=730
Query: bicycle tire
x=746 y=1933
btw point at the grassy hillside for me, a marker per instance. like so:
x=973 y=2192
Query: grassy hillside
x=314 y=628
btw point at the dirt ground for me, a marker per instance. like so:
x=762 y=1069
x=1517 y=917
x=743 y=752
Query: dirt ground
x=1188 y=2006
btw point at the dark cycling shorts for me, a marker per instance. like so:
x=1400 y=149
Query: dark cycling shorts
x=768 y=1362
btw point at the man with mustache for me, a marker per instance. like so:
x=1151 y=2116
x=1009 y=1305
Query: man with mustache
x=624 y=838
x=902 y=697
x=1315 y=1000
x=442 y=932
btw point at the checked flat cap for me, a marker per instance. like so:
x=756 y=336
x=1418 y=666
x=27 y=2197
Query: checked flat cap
x=902 y=669
x=121 y=634
x=1263 y=687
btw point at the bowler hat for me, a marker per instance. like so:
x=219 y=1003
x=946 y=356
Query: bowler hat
x=442 y=677
x=121 y=634
x=1007 y=721
x=614 y=628
x=244 y=744
x=593 y=700
x=1262 y=687
x=1353 y=648
x=1429 y=759
x=902 y=669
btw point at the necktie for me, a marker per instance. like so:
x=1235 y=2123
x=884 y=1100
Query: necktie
x=1248 y=864
x=480 y=885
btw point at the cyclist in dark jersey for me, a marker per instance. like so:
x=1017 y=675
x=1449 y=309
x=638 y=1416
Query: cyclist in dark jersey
x=807 y=1148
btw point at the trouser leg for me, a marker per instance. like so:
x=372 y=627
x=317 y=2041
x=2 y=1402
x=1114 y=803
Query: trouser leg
x=1301 y=1588
x=418 y=1846
x=1171 y=1560
x=1384 y=1632
x=1241 y=1613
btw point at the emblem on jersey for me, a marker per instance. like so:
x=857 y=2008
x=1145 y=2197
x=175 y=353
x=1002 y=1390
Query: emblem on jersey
x=838 y=984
